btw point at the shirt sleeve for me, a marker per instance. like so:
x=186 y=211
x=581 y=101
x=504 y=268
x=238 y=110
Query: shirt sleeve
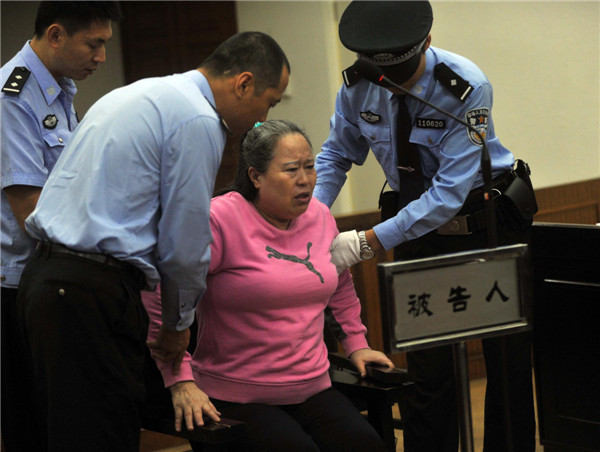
x=344 y=147
x=22 y=145
x=216 y=247
x=344 y=309
x=345 y=314
x=188 y=169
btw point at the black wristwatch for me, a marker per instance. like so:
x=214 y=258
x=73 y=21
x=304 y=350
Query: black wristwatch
x=365 y=250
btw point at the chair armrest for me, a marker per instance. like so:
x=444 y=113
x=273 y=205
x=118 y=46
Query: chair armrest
x=340 y=362
x=383 y=375
x=156 y=419
x=387 y=376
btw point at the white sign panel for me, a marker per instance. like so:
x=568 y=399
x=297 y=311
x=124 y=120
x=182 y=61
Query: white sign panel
x=454 y=297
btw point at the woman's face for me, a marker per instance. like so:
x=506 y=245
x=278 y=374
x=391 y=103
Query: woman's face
x=285 y=188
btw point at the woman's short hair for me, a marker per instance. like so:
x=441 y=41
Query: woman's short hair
x=257 y=151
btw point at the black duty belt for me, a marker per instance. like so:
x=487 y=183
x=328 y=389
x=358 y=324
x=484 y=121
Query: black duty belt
x=104 y=259
x=471 y=217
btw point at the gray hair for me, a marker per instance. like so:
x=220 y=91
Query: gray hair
x=257 y=151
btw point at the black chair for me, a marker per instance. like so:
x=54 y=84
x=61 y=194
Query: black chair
x=376 y=394
x=375 y=397
x=214 y=436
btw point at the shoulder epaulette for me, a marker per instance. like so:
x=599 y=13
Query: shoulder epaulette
x=454 y=82
x=350 y=76
x=16 y=80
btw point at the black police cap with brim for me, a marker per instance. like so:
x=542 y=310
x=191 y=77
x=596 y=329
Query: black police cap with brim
x=387 y=33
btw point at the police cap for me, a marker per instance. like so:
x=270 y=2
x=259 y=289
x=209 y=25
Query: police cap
x=390 y=34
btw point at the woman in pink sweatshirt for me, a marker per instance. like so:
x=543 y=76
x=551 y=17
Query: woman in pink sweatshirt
x=260 y=354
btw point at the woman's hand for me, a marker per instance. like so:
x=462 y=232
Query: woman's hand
x=191 y=404
x=365 y=356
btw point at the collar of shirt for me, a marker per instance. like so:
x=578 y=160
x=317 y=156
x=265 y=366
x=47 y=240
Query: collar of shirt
x=202 y=83
x=50 y=87
x=200 y=80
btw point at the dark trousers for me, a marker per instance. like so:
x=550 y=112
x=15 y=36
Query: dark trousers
x=431 y=421
x=325 y=422
x=85 y=328
x=18 y=419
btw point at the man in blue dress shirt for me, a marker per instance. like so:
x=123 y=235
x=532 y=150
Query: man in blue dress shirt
x=446 y=213
x=127 y=206
x=38 y=118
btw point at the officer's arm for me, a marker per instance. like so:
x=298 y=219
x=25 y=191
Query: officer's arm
x=22 y=200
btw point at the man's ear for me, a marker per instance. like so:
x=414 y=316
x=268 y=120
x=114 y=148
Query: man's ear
x=254 y=175
x=244 y=83
x=427 y=43
x=55 y=33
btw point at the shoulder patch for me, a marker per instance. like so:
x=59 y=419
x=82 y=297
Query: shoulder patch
x=451 y=80
x=478 y=119
x=350 y=76
x=16 y=80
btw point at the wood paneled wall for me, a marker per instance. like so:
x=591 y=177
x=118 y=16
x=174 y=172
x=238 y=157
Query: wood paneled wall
x=577 y=203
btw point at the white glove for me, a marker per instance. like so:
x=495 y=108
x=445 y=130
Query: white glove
x=345 y=250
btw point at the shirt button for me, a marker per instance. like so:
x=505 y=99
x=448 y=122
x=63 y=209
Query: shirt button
x=61 y=292
x=429 y=140
x=60 y=140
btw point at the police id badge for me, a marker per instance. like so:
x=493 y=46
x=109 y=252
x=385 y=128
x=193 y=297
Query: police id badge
x=477 y=118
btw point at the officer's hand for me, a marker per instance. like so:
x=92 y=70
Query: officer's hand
x=345 y=250
x=170 y=345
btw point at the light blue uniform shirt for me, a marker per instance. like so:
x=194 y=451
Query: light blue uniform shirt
x=30 y=150
x=365 y=118
x=135 y=182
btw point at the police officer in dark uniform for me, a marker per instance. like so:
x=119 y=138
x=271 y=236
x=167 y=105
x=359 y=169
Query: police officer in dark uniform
x=433 y=165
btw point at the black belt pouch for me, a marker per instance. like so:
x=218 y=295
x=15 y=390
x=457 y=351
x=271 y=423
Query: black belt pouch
x=518 y=200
